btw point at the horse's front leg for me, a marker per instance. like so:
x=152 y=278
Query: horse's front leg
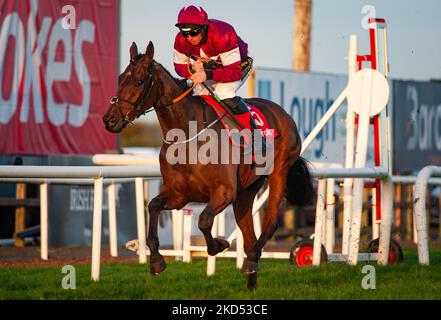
x=160 y=202
x=219 y=200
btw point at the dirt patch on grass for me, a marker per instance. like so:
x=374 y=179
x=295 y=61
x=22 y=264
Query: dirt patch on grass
x=30 y=256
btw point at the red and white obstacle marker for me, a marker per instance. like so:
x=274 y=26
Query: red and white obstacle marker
x=367 y=94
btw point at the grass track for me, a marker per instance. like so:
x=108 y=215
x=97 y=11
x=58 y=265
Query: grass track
x=277 y=280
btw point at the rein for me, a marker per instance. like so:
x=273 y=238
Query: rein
x=171 y=102
x=196 y=135
x=146 y=92
x=175 y=100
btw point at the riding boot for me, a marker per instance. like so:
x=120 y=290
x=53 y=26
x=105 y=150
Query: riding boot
x=238 y=106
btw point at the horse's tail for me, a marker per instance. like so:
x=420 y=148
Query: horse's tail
x=299 y=188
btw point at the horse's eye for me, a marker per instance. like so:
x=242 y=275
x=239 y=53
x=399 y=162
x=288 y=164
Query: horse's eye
x=138 y=83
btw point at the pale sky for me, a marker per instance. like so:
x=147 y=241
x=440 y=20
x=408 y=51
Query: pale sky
x=414 y=31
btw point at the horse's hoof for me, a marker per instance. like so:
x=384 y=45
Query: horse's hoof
x=252 y=282
x=220 y=245
x=157 y=267
x=250 y=267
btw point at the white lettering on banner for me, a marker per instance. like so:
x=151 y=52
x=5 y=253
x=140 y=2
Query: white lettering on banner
x=438 y=127
x=27 y=50
x=78 y=113
x=307 y=112
x=81 y=199
x=412 y=97
x=423 y=128
x=425 y=122
x=34 y=45
x=11 y=27
x=58 y=71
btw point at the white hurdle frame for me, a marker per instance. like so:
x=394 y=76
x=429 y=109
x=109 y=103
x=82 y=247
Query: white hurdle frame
x=353 y=189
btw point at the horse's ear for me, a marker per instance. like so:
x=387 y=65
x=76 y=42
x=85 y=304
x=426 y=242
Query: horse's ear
x=133 y=51
x=149 y=52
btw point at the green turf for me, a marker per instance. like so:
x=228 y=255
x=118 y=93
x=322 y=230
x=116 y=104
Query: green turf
x=277 y=280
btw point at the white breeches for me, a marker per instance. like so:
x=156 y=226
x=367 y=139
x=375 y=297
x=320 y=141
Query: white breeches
x=223 y=90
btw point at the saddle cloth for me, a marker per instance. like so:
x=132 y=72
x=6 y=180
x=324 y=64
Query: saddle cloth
x=244 y=119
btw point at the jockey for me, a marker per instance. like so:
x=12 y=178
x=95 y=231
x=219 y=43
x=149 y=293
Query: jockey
x=221 y=57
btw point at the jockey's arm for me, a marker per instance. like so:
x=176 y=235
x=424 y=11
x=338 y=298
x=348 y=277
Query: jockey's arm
x=180 y=63
x=180 y=60
x=228 y=73
x=230 y=70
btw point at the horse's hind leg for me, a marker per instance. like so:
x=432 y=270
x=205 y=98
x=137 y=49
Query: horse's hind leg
x=277 y=184
x=243 y=206
x=219 y=200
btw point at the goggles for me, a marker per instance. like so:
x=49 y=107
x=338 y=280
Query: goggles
x=192 y=33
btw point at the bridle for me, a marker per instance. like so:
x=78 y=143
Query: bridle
x=148 y=87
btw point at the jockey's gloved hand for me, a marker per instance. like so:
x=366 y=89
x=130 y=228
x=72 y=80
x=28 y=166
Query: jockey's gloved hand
x=210 y=64
x=198 y=77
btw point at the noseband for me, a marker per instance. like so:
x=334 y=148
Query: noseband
x=148 y=87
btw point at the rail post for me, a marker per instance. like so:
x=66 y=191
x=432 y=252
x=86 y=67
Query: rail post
x=140 y=218
x=419 y=211
x=111 y=203
x=43 y=221
x=97 y=224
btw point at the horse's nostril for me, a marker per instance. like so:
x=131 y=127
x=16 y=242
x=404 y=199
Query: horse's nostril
x=109 y=119
x=112 y=120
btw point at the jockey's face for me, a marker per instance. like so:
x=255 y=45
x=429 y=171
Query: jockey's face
x=194 y=40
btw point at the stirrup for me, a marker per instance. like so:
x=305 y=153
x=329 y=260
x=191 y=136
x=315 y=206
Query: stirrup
x=241 y=107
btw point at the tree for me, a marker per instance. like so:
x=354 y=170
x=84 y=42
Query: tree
x=302 y=35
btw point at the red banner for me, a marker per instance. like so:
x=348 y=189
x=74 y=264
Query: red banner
x=58 y=69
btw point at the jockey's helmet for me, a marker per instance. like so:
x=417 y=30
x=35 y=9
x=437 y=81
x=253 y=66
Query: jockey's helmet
x=192 y=15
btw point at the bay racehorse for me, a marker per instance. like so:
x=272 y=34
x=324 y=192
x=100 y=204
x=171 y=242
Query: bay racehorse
x=146 y=85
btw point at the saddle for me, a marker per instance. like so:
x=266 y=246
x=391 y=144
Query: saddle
x=244 y=119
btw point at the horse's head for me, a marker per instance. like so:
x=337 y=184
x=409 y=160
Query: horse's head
x=137 y=90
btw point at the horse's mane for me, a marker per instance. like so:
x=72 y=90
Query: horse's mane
x=182 y=83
